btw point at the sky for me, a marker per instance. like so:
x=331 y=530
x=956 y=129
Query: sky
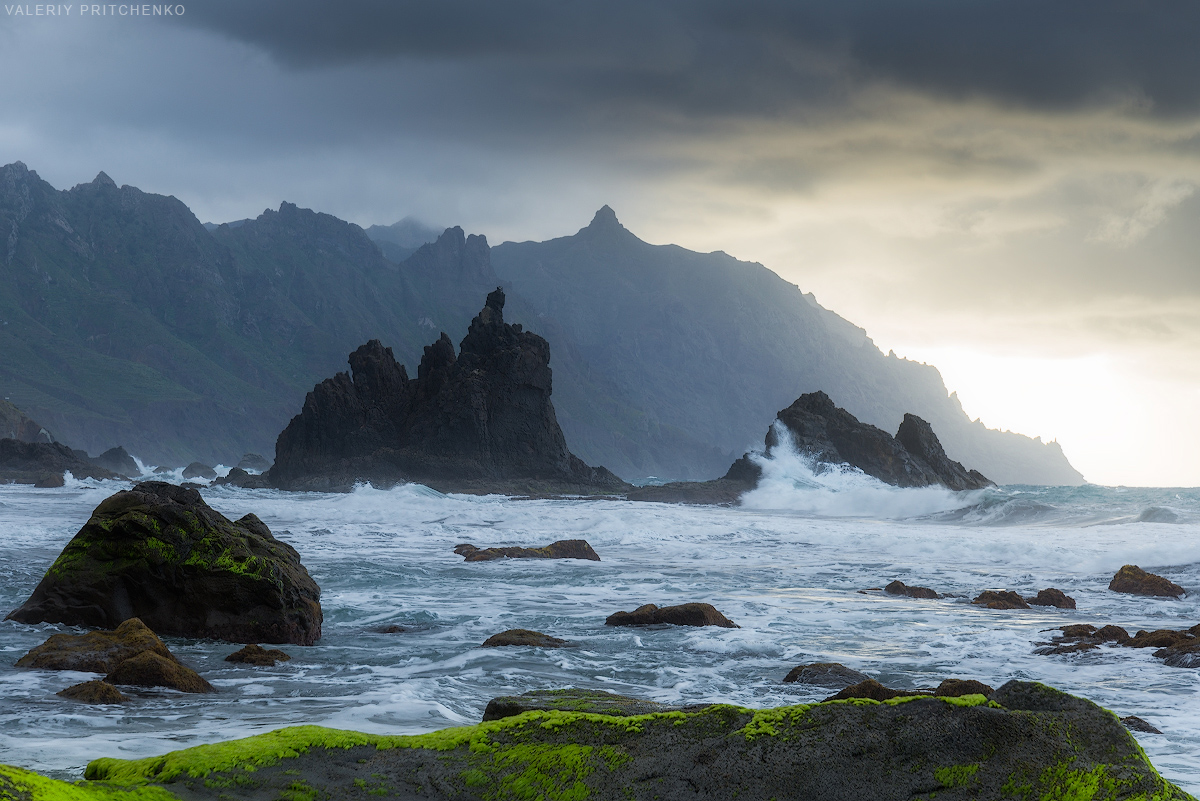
x=1005 y=189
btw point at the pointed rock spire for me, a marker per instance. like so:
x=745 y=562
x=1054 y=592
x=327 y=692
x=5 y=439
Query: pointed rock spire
x=605 y=218
x=102 y=179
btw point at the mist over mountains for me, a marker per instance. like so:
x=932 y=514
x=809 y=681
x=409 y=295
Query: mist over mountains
x=124 y=320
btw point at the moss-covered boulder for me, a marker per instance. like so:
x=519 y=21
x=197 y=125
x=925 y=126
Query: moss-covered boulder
x=1000 y=599
x=159 y=553
x=149 y=669
x=258 y=656
x=93 y=692
x=1133 y=580
x=95 y=651
x=1026 y=741
x=525 y=637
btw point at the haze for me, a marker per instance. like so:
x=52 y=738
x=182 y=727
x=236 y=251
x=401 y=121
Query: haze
x=1005 y=190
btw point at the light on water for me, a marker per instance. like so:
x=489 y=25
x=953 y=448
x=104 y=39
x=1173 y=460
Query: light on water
x=787 y=567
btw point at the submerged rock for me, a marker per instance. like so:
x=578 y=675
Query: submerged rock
x=825 y=674
x=693 y=614
x=1047 y=743
x=96 y=651
x=94 y=692
x=160 y=553
x=1137 y=724
x=1000 y=599
x=1052 y=597
x=596 y=702
x=238 y=477
x=199 y=470
x=149 y=669
x=563 y=549
x=481 y=420
x=524 y=637
x=898 y=587
x=118 y=460
x=258 y=656
x=1135 y=581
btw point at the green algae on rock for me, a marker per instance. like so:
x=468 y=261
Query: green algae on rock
x=160 y=553
x=1026 y=741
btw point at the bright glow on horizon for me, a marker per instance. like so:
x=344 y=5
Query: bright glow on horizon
x=1108 y=418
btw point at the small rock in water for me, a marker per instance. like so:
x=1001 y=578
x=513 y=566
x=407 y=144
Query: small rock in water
x=1181 y=655
x=96 y=651
x=576 y=700
x=693 y=614
x=163 y=469
x=825 y=674
x=94 y=692
x=50 y=482
x=524 y=637
x=1052 y=597
x=199 y=470
x=1133 y=580
x=1137 y=724
x=119 y=461
x=258 y=656
x=255 y=462
x=393 y=629
x=1160 y=638
x=900 y=588
x=149 y=669
x=954 y=688
x=1003 y=599
x=563 y=549
x=869 y=689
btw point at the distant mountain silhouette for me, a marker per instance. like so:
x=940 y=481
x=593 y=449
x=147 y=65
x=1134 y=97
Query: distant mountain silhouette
x=124 y=320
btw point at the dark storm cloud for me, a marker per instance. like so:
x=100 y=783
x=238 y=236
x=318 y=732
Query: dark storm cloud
x=758 y=56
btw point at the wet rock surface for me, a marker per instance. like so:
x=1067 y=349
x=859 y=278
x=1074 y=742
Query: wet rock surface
x=199 y=470
x=1135 y=581
x=255 y=462
x=149 y=669
x=595 y=702
x=44 y=463
x=524 y=637
x=1025 y=735
x=1052 y=597
x=1177 y=648
x=479 y=420
x=119 y=461
x=898 y=587
x=95 y=651
x=258 y=656
x=694 y=614
x=563 y=549
x=825 y=674
x=1000 y=599
x=160 y=553
x=94 y=692
x=1134 y=723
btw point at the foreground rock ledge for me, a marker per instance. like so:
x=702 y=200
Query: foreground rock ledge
x=160 y=553
x=1033 y=740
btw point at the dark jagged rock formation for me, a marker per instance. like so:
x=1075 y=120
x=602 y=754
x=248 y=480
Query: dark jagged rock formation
x=1135 y=581
x=199 y=470
x=1000 y=599
x=741 y=477
x=237 y=477
x=1175 y=648
x=160 y=553
x=525 y=637
x=682 y=615
x=255 y=462
x=831 y=435
x=825 y=674
x=478 y=420
x=1043 y=742
x=563 y=549
x=257 y=655
x=44 y=463
x=118 y=460
x=1052 y=597
x=94 y=692
x=596 y=702
x=898 y=587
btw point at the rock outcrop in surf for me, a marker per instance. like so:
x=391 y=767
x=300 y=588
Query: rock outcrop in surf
x=831 y=435
x=478 y=420
x=160 y=553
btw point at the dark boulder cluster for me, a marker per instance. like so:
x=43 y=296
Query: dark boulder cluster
x=992 y=599
x=476 y=420
x=131 y=655
x=898 y=587
x=1176 y=648
x=44 y=463
x=160 y=553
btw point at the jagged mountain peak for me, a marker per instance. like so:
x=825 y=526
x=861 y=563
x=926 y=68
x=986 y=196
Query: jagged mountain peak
x=605 y=223
x=102 y=179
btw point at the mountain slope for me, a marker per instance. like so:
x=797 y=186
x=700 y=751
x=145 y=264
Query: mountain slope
x=715 y=347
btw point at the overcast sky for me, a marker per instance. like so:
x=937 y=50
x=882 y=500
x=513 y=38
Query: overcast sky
x=1003 y=188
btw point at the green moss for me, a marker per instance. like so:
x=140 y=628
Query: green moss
x=956 y=775
x=17 y=785
x=299 y=791
x=767 y=722
x=543 y=772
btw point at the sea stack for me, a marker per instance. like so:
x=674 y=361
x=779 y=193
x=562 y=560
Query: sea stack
x=478 y=420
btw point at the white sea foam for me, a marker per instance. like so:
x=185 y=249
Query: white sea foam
x=787 y=571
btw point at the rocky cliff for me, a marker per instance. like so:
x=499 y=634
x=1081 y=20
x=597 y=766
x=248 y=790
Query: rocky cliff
x=831 y=435
x=480 y=419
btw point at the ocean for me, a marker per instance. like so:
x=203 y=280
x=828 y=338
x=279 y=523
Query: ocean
x=793 y=566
